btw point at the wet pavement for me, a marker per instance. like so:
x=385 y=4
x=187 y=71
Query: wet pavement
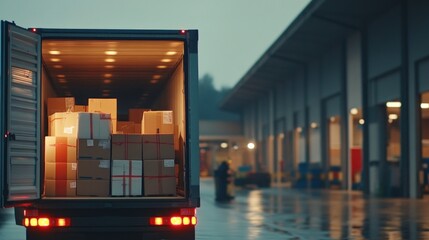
x=284 y=213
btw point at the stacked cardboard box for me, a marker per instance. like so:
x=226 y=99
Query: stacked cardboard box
x=60 y=166
x=104 y=105
x=158 y=122
x=158 y=161
x=126 y=165
x=136 y=114
x=128 y=127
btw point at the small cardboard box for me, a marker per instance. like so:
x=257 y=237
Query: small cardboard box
x=60 y=188
x=60 y=105
x=80 y=125
x=157 y=122
x=136 y=114
x=158 y=146
x=125 y=127
x=126 y=178
x=126 y=146
x=60 y=171
x=60 y=149
x=93 y=188
x=159 y=177
x=80 y=108
x=104 y=105
x=94 y=169
x=93 y=149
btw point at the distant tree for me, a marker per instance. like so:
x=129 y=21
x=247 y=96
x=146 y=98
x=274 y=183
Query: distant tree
x=209 y=101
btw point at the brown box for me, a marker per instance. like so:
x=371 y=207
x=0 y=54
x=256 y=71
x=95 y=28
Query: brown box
x=93 y=188
x=158 y=122
x=159 y=177
x=126 y=127
x=80 y=125
x=136 y=114
x=93 y=149
x=60 y=149
x=60 y=188
x=94 y=169
x=60 y=171
x=158 y=146
x=104 y=105
x=80 y=108
x=126 y=146
x=60 y=105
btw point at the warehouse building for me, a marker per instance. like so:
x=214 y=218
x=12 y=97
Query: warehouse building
x=341 y=99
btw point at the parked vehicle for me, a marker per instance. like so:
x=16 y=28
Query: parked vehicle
x=145 y=69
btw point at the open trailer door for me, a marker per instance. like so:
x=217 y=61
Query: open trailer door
x=20 y=115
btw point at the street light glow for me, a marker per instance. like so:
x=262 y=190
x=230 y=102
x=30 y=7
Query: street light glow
x=250 y=145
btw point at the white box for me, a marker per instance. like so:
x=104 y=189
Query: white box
x=127 y=177
x=80 y=125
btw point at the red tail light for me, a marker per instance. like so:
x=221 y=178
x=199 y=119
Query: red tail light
x=173 y=221
x=46 y=222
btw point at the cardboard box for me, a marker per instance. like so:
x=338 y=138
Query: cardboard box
x=93 y=149
x=60 y=171
x=80 y=125
x=104 y=105
x=126 y=146
x=158 y=146
x=60 y=188
x=126 y=178
x=158 y=122
x=60 y=105
x=136 y=114
x=80 y=108
x=94 y=169
x=159 y=177
x=125 y=127
x=93 y=188
x=60 y=150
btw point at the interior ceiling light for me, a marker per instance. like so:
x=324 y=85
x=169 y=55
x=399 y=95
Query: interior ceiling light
x=393 y=104
x=161 y=66
x=107 y=75
x=110 y=60
x=166 y=60
x=55 y=60
x=153 y=81
x=361 y=121
x=111 y=52
x=424 y=105
x=393 y=116
x=61 y=75
x=105 y=94
x=54 y=52
x=62 y=80
x=171 y=53
x=107 y=81
x=109 y=66
x=156 y=76
x=58 y=66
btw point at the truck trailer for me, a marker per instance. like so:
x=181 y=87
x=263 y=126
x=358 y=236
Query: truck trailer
x=153 y=70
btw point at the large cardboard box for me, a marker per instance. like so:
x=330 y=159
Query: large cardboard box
x=127 y=178
x=93 y=149
x=80 y=125
x=136 y=114
x=60 y=105
x=80 y=108
x=93 y=188
x=104 y=105
x=60 y=171
x=60 y=188
x=158 y=122
x=125 y=127
x=159 y=177
x=158 y=146
x=60 y=149
x=126 y=146
x=94 y=169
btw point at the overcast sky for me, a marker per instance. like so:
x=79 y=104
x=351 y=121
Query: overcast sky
x=232 y=33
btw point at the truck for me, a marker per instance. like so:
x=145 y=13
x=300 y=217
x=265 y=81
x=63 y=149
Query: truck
x=145 y=69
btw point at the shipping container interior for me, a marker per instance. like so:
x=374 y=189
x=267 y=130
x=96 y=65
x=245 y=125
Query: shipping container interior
x=142 y=74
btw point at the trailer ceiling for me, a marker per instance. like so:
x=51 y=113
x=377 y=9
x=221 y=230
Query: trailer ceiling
x=131 y=70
